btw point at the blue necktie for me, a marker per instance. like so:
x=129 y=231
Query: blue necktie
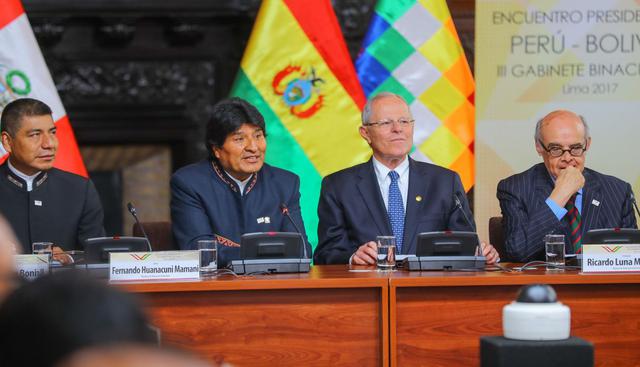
x=395 y=210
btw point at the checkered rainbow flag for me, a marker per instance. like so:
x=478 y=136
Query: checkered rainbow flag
x=412 y=49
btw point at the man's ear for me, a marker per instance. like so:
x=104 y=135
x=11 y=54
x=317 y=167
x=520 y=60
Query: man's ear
x=365 y=134
x=539 y=148
x=216 y=152
x=588 y=144
x=6 y=141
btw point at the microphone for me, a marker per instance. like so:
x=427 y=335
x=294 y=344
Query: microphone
x=134 y=212
x=635 y=205
x=466 y=219
x=285 y=212
x=464 y=215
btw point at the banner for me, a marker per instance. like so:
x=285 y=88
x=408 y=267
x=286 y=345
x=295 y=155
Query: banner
x=24 y=73
x=297 y=71
x=536 y=56
x=412 y=49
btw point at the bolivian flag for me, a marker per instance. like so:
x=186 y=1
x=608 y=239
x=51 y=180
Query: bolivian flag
x=297 y=71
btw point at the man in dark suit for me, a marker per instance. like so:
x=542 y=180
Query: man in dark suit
x=364 y=201
x=40 y=202
x=234 y=191
x=560 y=196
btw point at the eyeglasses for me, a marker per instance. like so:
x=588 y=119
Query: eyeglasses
x=575 y=151
x=386 y=124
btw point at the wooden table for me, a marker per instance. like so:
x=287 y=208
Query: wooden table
x=329 y=317
x=437 y=318
x=333 y=316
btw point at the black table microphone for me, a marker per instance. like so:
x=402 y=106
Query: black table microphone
x=285 y=212
x=132 y=210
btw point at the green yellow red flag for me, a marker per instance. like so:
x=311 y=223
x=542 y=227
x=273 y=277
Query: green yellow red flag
x=297 y=71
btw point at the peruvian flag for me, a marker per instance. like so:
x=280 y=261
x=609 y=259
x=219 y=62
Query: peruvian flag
x=23 y=73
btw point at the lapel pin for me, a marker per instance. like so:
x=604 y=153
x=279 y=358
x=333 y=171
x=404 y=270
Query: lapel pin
x=595 y=202
x=267 y=220
x=418 y=198
x=260 y=220
x=37 y=203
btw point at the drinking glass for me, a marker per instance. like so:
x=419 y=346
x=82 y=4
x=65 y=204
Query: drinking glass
x=208 y=257
x=386 y=253
x=554 y=251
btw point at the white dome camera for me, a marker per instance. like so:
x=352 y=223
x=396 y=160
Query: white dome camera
x=536 y=314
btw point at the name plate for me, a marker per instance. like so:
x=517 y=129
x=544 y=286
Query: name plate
x=610 y=258
x=32 y=266
x=160 y=265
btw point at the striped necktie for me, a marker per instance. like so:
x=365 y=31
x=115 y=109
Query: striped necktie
x=575 y=222
x=395 y=210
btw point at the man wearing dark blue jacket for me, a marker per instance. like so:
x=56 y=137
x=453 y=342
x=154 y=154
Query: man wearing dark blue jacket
x=234 y=191
x=391 y=194
x=560 y=196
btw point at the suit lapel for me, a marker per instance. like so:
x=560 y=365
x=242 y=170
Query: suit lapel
x=372 y=198
x=544 y=183
x=591 y=195
x=418 y=186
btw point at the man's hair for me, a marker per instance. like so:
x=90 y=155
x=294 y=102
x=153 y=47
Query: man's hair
x=61 y=313
x=368 y=107
x=538 y=133
x=226 y=117
x=15 y=111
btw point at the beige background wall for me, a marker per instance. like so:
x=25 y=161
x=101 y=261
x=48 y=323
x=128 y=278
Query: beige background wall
x=514 y=88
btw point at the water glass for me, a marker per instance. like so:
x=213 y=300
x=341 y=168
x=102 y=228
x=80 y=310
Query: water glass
x=554 y=251
x=208 y=257
x=42 y=248
x=386 y=252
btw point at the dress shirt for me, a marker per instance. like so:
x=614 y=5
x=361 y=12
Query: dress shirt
x=560 y=211
x=382 y=174
x=27 y=179
x=241 y=184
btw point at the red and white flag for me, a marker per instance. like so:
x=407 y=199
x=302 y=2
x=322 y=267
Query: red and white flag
x=23 y=73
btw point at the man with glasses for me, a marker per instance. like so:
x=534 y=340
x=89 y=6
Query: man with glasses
x=391 y=194
x=560 y=196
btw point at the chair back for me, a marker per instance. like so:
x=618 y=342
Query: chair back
x=496 y=237
x=159 y=234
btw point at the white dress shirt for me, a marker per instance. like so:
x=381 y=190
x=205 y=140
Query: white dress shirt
x=27 y=179
x=382 y=174
x=241 y=184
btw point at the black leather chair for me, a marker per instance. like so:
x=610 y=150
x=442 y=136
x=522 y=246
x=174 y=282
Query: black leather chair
x=496 y=237
x=159 y=234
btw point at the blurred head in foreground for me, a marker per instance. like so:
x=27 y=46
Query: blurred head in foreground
x=8 y=244
x=131 y=356
x=50 y=318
